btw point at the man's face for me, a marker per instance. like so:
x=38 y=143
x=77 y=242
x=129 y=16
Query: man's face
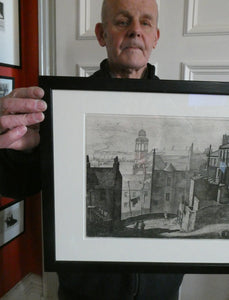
x=130 y=32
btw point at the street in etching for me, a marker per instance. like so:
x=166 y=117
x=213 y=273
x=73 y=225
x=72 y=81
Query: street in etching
x=157 y=177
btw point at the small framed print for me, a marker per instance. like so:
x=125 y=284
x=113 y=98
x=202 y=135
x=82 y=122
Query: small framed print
x=11 y=221
x=136 y=175
x=10 y=54
x=6 y=85
x=2 y=16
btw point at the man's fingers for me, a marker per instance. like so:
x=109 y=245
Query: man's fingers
x=12 y=136
x=30 y=92
x=29 y=140
x=21 y=105
x=12 y=121
x=23 y=100
x=20 y=138
x=20 y=114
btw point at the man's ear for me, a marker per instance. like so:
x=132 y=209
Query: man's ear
x=99 y=32
x=157 y=36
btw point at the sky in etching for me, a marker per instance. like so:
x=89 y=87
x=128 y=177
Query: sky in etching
x=118 y=132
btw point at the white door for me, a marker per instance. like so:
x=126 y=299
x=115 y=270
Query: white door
x=194 y=41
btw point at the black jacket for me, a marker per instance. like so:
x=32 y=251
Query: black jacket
x=19 y=173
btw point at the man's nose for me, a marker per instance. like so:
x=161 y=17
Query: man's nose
x=134 y=29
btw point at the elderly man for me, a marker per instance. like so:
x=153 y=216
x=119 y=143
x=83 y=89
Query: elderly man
x=129 y=32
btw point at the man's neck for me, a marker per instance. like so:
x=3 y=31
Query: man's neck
x=127 y=72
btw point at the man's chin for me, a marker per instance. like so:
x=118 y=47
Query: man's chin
x=133 y=66
x=134 y=62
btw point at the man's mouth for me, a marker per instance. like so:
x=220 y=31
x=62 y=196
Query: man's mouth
x=134 y=48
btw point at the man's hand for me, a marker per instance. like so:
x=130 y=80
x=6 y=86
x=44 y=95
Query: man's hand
x=20 y=114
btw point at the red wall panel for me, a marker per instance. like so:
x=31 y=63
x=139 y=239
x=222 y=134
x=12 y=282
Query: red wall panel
x=24 y=254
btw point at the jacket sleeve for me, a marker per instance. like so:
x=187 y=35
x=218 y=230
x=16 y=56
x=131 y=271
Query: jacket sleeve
x=19 y=173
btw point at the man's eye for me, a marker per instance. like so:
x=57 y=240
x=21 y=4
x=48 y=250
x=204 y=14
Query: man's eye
x=122 y=23
x=146 y=23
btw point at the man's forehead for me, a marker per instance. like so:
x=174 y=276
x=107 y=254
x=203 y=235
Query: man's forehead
x=131 y=1
x=139 y=8
x=127 y=13
x=131 y=5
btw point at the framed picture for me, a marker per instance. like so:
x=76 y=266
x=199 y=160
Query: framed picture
x=135 y=175
x=10 y=33
x=11 y=221
x=2 y=13
x=6 y=85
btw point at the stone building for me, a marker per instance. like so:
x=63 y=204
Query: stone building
x=104 y=190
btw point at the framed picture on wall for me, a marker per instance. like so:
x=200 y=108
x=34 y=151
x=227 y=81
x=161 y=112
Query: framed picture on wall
x=2 y=18
x=6 y=85
x=10 y=54
x=11 y=221
x=135 y=174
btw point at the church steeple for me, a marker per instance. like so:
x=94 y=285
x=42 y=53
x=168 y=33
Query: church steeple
x=141 y=145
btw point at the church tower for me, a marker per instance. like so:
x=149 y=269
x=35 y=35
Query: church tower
x=141 y=146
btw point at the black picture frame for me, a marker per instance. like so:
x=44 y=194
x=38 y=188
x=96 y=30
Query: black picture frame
x=68 y=245
x=6 y=85
x=12 y=221
x=10 y=33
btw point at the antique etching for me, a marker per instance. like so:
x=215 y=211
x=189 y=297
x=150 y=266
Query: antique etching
x=157 y=177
